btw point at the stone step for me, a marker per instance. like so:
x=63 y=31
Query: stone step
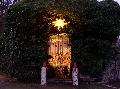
x=59 y=81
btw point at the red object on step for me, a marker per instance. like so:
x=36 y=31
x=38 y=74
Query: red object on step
x=44 y=64
x=75 y=66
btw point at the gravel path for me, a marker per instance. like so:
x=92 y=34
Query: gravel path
x=5 y=79
x=17 y=85
x=9 y=83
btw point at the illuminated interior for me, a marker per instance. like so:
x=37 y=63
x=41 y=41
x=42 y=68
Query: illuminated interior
x=59 y=49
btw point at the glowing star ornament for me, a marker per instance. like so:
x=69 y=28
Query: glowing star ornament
x=59 y=23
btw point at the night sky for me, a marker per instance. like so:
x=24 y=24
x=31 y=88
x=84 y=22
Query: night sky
x=102 y=0
x=114 y=0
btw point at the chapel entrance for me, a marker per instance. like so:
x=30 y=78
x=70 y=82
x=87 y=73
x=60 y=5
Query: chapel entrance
x=60 y=50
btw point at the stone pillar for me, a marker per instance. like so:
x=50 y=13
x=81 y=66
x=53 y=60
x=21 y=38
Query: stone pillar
x=43 y=74
x=75 y=75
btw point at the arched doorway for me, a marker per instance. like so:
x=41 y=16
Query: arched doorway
x=60 y=50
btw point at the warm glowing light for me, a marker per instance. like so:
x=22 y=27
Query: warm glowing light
x=60 y=52
x=63 y=57
x=59 y=23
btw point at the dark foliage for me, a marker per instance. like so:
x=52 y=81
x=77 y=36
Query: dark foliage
x=94 y=28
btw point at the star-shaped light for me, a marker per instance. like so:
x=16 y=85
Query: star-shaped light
x=59 y=23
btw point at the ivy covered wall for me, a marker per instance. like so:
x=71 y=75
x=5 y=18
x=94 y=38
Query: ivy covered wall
x=93 y=28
